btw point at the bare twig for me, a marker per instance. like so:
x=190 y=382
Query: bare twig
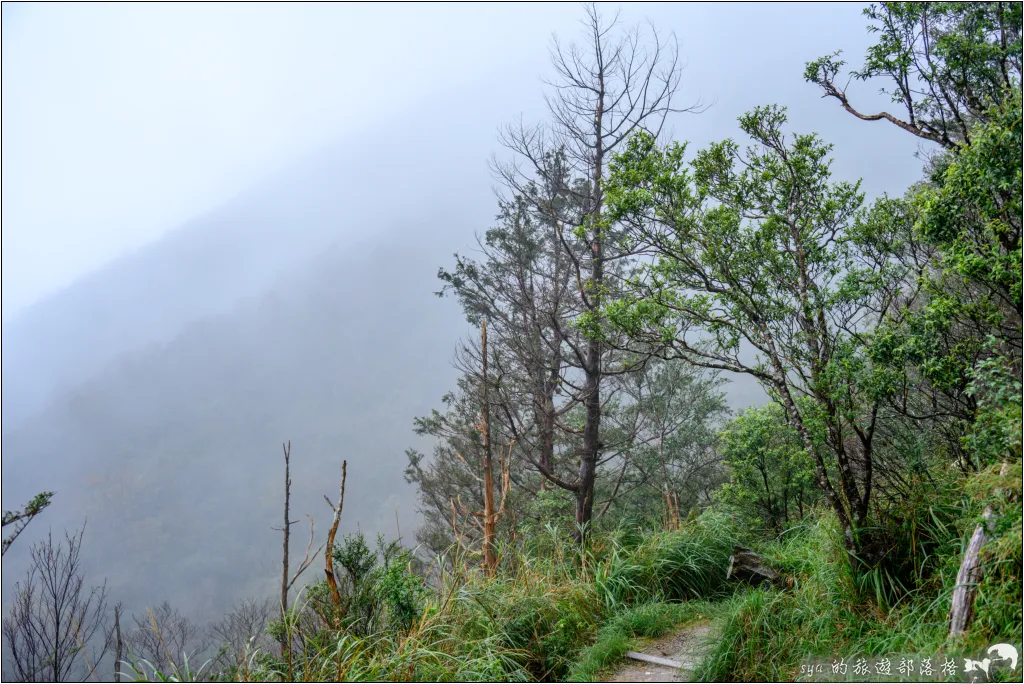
x=307 y=559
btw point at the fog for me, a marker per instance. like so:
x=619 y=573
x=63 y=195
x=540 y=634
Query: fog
x=222 y=226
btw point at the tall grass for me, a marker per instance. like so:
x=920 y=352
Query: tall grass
x=669 y=566
x=555 y=610
x=536 y=619
x=833 y=612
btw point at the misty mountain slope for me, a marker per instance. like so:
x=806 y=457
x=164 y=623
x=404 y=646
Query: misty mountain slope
x=348 y=193
x=174 y=453
x=200 y=269
x=153 y=395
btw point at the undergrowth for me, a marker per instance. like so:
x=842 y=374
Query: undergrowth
x=832 y=613
x=554 y=611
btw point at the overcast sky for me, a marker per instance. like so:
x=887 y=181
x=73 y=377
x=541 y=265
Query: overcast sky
x=122 y=121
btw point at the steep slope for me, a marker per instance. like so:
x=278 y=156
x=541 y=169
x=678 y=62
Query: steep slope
x=153 y=395
x=202 y=269
x=173 y=454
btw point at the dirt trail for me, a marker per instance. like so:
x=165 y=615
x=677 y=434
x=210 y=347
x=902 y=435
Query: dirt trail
x=685 y=646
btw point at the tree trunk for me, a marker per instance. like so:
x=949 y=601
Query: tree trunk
x=821 y=472
x=591 y=451
x=332 y=583
x=961 y=611
x=118 y=643
x=592 y=426
x=545 y=417
x=286 y=527
x=646 y=658
x=485 y=431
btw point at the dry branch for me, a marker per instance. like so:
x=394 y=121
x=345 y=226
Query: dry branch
x=332 y=583
x=490 y=562
x=307 y=560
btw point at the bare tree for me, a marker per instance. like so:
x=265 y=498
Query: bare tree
x=612 y=86
x=244 y=627
x=487 y=519
x=286 y=581
x=490 y=515
x=54 y=631
x=286 y=527
x=164 y=637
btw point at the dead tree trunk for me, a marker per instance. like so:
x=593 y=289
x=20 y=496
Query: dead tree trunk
x=286 y=582
x=961 y=611
x=285 y=528
x=480 y=518
x=332 y=583
x=118 y=643
x=285 y=531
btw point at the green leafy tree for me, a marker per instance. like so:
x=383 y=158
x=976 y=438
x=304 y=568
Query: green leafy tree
x=771 y=480
x=751 y=249
x=963 y=313
x=956 y=70
x=944 y=63
x=398 y=588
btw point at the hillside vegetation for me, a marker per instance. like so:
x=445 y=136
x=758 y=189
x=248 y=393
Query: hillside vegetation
x=586 y=484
